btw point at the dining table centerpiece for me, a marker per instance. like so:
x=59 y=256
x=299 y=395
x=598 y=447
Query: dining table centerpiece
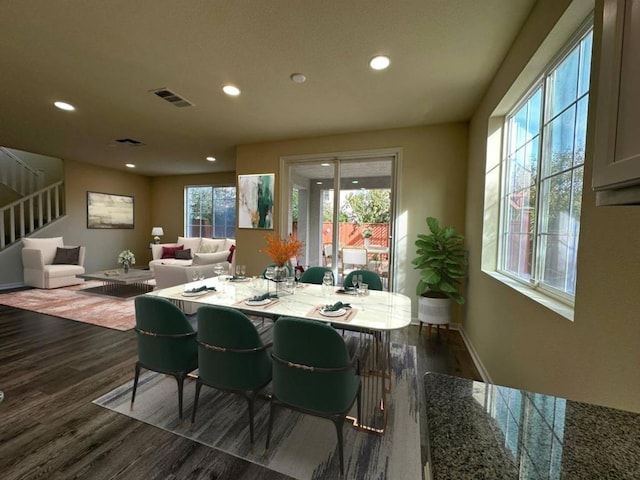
x=282 y=251
x=126 y=258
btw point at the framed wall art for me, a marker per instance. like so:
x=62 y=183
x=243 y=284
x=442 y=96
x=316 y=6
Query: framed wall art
x=106 y=210
x=255 y=201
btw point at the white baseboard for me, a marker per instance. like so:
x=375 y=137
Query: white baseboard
x=474 y=356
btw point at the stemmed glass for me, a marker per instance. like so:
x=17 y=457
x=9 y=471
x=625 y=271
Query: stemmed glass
x=269 y=274
x=218 y=269
x=327 y=282
x=363 y=291
x=355 y=280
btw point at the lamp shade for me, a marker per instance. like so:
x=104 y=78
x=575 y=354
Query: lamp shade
x=157 y=232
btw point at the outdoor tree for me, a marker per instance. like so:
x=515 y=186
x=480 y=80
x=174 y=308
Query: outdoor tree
x=367 y=206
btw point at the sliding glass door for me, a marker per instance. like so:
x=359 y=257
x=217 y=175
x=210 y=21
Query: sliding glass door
x=343 y=204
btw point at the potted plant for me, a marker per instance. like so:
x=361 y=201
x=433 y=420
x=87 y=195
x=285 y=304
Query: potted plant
x=367 y=233
x=441 y=260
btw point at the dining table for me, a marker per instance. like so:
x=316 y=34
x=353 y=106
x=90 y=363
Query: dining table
x=372 y=317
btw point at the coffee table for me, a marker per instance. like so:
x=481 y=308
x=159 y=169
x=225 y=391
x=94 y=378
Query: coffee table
x=116 y=283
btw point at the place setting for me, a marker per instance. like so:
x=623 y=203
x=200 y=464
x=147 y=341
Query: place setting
x=340 y=310
x=266 y=300
x=198 y=291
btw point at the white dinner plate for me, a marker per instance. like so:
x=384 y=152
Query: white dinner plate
x=257 y=303
x=328 y=313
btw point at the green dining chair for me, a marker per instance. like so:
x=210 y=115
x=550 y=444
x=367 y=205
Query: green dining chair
x=370 y=278
x=315 y=275
x=231 y=356
x=313 y=374
x=166 y=342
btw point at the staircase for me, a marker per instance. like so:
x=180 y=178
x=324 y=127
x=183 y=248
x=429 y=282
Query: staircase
x=27 y=205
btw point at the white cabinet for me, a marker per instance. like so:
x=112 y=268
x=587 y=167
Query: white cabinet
x=616 y=169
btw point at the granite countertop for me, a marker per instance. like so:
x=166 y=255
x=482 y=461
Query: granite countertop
x=478 y=430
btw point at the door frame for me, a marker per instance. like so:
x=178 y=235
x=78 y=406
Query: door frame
x=284 y=204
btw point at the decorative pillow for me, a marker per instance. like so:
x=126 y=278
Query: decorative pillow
x=67 y=256
x=184 y=254
x=211 y=245
x=170 y=252
x=209 y=258
x=231 y=250
x=192 y=243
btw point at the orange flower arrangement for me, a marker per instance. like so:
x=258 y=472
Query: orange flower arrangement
x=280 y=250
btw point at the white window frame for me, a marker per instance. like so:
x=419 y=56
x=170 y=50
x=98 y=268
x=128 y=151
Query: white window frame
x=537 y=256
x=185 y=227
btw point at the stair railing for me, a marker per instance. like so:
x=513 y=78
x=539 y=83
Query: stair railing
x=24 y=216
x=18 y=175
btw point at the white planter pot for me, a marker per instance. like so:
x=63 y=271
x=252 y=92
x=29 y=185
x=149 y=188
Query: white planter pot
x=434 y=311
x=367 y=241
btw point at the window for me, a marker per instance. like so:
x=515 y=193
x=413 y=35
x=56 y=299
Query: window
x=210 y=212
x=542 y=175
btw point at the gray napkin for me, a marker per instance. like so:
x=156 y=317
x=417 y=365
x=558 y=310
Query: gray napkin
x=264 y=296
x=201 y=289
x=336 y=306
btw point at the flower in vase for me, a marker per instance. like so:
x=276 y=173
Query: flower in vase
x=281 y=251
x=126 y=258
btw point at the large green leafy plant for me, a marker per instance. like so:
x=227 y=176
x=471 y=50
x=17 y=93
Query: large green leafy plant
x=441 y=260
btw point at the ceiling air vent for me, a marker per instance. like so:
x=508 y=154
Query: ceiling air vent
x=129 y=142
x=172 y=98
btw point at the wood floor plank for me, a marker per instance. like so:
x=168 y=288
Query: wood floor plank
x=51 y=369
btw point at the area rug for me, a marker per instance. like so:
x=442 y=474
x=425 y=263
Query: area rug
x=73 y=304
x=302 y=446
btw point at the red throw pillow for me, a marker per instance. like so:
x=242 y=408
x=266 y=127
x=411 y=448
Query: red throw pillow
x=170 y=252
x=232 y=249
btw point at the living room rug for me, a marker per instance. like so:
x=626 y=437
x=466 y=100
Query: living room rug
x=302 y=446
x=73 y=304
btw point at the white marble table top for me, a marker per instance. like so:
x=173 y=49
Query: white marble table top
x=381 y=310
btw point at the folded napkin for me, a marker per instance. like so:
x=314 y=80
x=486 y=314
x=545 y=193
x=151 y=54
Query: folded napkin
x=201 y=289
x=346 y=290
x=336 y=306
x=265 y=296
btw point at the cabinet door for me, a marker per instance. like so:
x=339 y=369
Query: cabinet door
x=617 y=136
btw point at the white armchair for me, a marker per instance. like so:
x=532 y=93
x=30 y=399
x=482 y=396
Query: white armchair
x=47 y=267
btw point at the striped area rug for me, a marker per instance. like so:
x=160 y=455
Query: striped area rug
x=71 y=303
x=302 y=446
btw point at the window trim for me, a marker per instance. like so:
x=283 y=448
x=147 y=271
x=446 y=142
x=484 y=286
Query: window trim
x=534 y=288
x=185 y=223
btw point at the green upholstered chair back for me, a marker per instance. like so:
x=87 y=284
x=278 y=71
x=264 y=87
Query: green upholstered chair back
x=166 y=340
x=306 y=344
x=370 y=278
x=315 y=275
x=230 y=350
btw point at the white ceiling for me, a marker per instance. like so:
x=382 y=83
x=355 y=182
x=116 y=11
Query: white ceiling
x=105 y=56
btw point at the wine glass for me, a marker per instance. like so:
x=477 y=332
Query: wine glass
x=355 y=279
x=243 y=270
x=363 y=291
x=327 y=282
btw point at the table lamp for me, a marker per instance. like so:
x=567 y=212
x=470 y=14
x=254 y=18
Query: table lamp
x=157 y=232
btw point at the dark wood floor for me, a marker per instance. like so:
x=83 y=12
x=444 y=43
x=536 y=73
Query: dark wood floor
x=50 y=371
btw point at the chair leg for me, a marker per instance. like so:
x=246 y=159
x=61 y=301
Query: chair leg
x=195 y=401
x=250 y=400
x=339 y=422
x=180 y=380
x=135 y=384
x=270 y=427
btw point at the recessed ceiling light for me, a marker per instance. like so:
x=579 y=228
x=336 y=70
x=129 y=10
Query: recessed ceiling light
x=354 y=181
x=211 y=159
x=231 y=90
x=298 y=77
x=325 y=164
x=130 y=165
x=379 y=63
x=318 y=183
x=65 y=106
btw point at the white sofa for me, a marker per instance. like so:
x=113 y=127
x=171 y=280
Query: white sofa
x=203 y=251
x=40 y=271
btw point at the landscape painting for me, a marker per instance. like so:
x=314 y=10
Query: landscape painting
x=105 y=210
x=255 y=201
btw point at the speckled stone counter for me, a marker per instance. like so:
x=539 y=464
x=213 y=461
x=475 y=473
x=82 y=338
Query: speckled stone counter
x=482 y=431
